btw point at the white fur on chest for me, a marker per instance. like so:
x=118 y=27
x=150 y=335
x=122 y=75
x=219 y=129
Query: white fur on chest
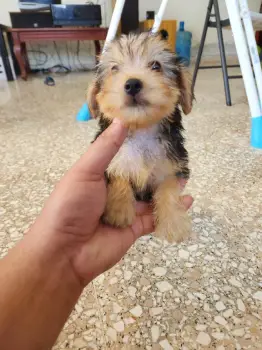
x=144 y=145
x=141 y=156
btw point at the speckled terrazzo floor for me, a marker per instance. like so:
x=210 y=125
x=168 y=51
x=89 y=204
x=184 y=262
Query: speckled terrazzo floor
x=202 y=294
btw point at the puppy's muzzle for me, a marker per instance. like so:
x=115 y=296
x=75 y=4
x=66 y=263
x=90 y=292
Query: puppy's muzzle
x=133 y=87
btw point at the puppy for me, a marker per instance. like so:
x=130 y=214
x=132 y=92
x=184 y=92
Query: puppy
x=140 y=81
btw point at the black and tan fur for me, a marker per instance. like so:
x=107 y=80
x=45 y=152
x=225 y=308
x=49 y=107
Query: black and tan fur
x=153 y=156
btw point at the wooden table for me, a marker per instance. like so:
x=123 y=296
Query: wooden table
x=22 y=35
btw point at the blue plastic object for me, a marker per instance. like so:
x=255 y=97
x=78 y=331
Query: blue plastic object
x=183 y=44
x=84 y=114
x=256 y=132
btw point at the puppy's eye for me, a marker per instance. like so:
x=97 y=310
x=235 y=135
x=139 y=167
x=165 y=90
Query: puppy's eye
x=115 y=68
x=156 y=66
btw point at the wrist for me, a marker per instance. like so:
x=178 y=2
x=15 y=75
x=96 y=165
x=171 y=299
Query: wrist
x=53 y=255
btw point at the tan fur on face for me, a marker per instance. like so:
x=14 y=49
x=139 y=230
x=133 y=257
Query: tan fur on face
x=186 y=97
x=156 y=104
x=91 y=97
x=133 y=57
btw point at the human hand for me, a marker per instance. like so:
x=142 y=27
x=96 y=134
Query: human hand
x=71 y=217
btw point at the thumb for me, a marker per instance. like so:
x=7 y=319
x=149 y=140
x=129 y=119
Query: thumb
x=96 y=160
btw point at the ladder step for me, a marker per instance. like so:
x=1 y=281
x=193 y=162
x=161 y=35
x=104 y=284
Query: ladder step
x=224 y=23
x=235 y=77
x=214 y=67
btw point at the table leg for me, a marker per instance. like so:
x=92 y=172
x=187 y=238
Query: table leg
x=18 y=51
x=25 y=57
x=98 y=50
x=19 y=57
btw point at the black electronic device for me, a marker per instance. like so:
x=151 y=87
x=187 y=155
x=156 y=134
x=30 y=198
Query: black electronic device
x=87 y=15
x=130 y=17
x=150 y=15
x=36 y=5
x=31 y=19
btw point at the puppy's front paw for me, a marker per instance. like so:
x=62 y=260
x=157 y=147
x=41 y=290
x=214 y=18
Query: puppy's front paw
x=175 y=227
x=119 y=213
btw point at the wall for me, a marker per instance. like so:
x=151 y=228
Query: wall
x=193 y=12
x=5 y=7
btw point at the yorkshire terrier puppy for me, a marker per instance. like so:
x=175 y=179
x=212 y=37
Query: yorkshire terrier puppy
x=140 y=81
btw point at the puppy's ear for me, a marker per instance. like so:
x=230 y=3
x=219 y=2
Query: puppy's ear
x=185 y=86
x=93 y=90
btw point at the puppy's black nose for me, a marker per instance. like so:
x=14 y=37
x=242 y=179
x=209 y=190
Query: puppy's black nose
x=133 y=86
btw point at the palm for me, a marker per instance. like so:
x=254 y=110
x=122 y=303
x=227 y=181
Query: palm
x=76 y=206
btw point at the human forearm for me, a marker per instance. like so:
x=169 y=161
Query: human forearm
x=40 y=290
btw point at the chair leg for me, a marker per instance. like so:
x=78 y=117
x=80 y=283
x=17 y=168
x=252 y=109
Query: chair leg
x=222 y=54
x=202 y=43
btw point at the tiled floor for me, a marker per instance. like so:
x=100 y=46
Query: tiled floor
x=202 y=294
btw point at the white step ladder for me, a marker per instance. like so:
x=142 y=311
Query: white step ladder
x=243 y=23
